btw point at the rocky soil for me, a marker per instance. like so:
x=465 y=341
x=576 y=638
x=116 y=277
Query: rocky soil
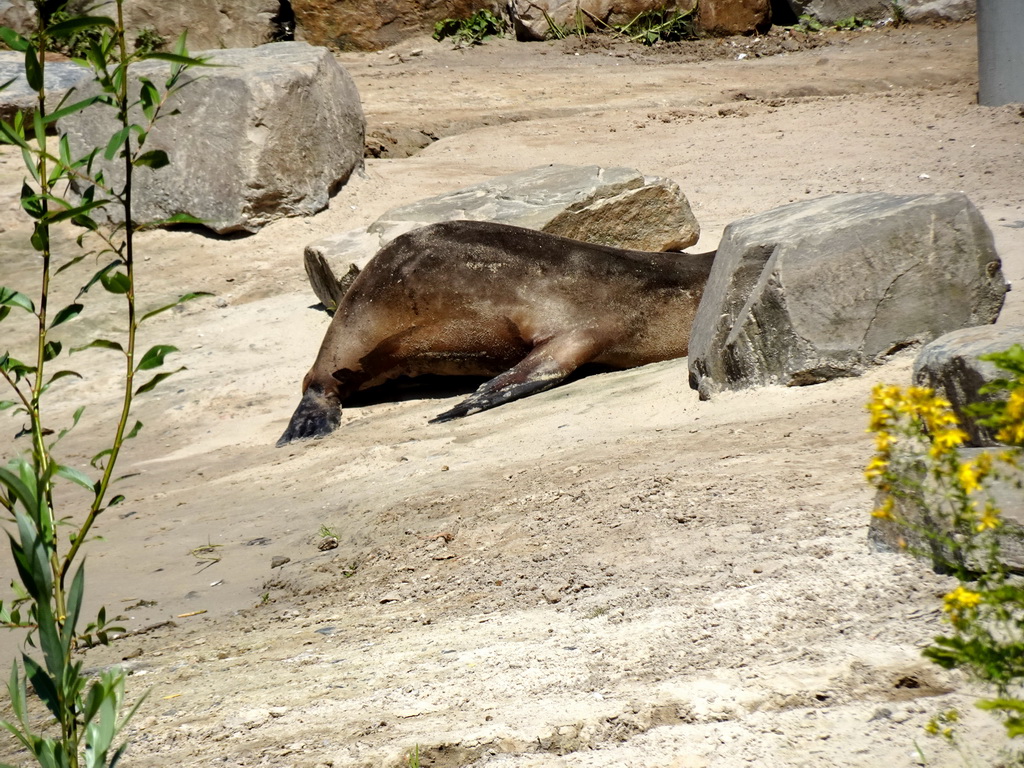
x=611 y=573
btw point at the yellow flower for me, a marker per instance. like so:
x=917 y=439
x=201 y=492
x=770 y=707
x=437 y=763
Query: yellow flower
x=945 y=440
x=876 y=468
x=960 y=599
x=884 y=512
x=969 y=476
x=989 y=518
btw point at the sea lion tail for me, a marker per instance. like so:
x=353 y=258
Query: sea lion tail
x=317 y=414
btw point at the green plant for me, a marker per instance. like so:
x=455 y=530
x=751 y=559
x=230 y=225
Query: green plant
x=149 y=40
x=86 y=712
x=809 y=23
x=933 y=492
x=899 y=14
x=851 y=22
x=472 y=30
x=660 y=25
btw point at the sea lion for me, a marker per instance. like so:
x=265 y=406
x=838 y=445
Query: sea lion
x=480 y=298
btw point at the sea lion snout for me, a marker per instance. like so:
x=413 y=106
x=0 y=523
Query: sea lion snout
x=317 y=414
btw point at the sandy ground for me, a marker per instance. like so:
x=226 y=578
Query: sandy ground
x=608 y=574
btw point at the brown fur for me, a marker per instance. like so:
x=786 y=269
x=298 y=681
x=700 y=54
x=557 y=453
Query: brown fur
x=466 y=297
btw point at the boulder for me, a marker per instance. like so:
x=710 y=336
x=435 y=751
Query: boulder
x=210 y=23
x=532 y=19
x=611 y=206
x=366 y=26
x=271 y=132
x=19 y=15
x=59 y=77
x=951 y=366
x=929 y=535
x=733 y=17
x=820 y=289
x=831 y=11
x=939 y=10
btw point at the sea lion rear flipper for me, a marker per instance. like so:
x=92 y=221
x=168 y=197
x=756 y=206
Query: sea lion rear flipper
x=317 y=414
x=545 y=366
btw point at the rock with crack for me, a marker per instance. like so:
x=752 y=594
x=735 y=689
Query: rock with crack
x=952 y=366
x=610 y=206
x=821 y=289
x=270 y=132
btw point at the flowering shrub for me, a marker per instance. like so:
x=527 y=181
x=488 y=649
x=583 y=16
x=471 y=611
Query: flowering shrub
x=936 y=494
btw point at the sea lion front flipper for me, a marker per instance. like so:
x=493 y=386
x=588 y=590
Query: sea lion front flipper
x=547 y=365
x=317 y=414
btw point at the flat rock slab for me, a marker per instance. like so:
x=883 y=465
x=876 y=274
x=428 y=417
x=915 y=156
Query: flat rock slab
x=270 y=132
x=821 y=289
x=610 y=206
x=951 y=365
x=59 y=77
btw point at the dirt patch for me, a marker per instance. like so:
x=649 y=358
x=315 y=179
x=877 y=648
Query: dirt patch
x=610 y=573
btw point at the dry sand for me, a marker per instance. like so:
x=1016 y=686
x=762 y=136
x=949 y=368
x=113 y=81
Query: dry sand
x=611 y=573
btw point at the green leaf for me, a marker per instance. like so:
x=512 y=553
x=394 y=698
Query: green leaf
x=149 y=97
x=155 y=158
x=60 y=375
x=116 y=282
x=42 y=684
x=149 y=385
x=175 y=58
x=178 y=218
x=11 y=135
x=31 y=202
x=116 y=500
x=116 y=143
x=100 y=274
x=33 y=70
x=41 y=237
x=51 y=350
x=5 y=404
x=136 y=429
x=71 y=109
x=75 y=24
x=95 y=461
x=102 y=344
x=74 y=605
x=180 y=300
x=12 y=298
x=69 y=264
x=154 y=357
x=20 y=490
x=76 y=476
x=68 y=313
x=13 y=40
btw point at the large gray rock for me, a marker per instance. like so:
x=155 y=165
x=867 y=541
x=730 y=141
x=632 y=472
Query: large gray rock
x=611 y=206
x=269 y=133
x=951 y=366
x=820 y=289
x=939 y=10
x=532 y=19
x=210 y=23
x=58 y=77
x=19 y=15
x=831 y=11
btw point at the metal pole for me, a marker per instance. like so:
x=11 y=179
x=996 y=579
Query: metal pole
x=1000 y=52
